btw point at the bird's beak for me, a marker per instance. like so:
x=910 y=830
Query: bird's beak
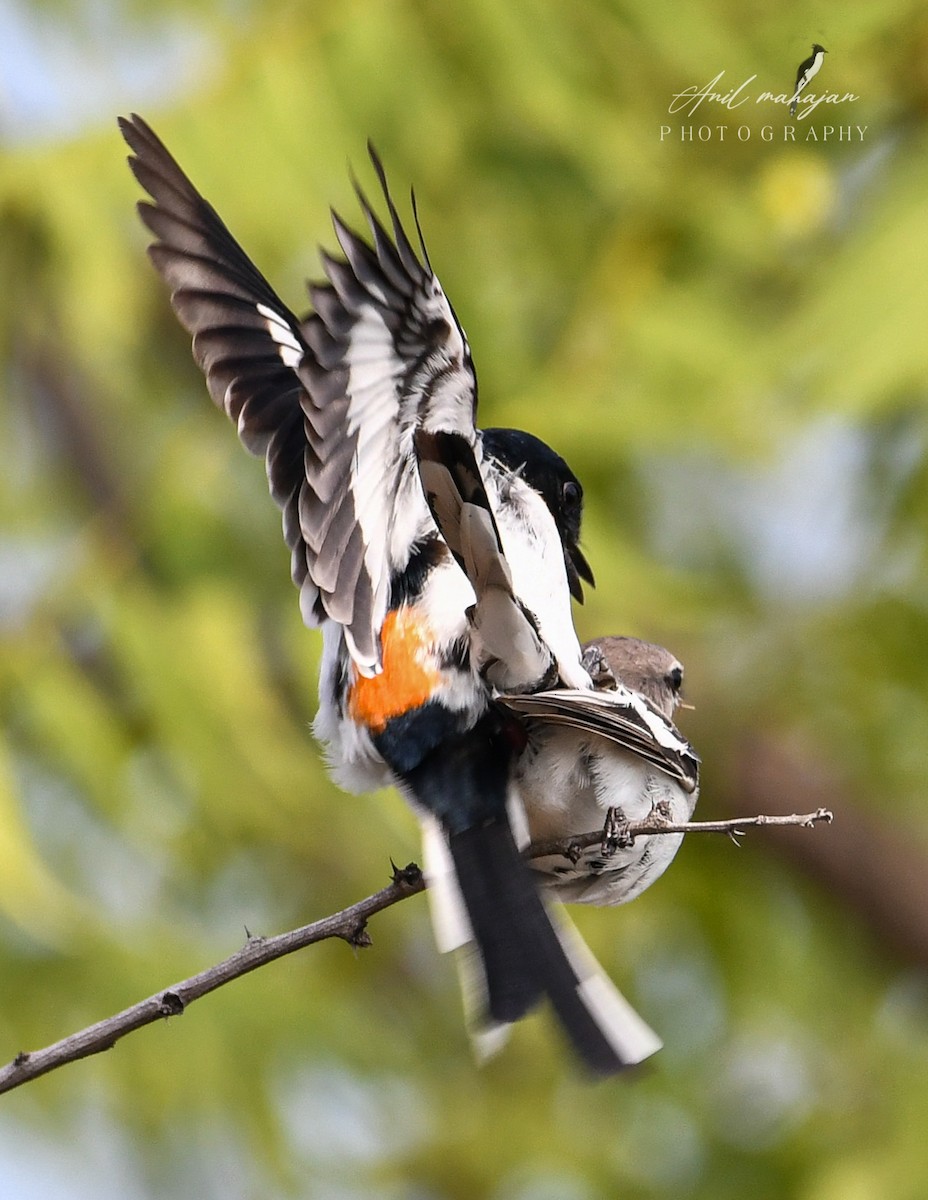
x=577 y=568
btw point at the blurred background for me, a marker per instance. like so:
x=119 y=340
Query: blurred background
x=726 y=338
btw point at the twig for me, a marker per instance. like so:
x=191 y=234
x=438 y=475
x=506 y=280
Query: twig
x=656 y=822
x=348 y=924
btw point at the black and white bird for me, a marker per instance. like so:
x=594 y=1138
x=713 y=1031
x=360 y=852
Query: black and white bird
x=439 y=575
x=807 y=71
x=605 y=757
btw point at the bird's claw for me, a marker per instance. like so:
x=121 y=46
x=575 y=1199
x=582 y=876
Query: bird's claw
x=597 y=667
x=615 y=832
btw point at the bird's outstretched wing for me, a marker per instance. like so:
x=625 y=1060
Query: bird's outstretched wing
x=332 y=401
x=624 y=717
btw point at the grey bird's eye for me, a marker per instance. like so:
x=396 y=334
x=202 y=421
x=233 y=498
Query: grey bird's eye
x=675 y=679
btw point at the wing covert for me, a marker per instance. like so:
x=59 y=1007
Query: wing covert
x=623 y=716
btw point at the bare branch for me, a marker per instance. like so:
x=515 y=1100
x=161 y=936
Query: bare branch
x=656 y=822
x=349 y=924
x=874 y=863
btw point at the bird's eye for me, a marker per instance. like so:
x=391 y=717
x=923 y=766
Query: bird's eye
x=675 y=679
x=572 y=493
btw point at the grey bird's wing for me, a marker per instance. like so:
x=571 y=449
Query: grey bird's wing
x=623 y=716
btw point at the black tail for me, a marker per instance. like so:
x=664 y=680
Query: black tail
x=463 y=782
x=503 y=910
x=524 y=958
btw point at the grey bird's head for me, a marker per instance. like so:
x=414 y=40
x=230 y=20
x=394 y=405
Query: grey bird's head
x=642 y=666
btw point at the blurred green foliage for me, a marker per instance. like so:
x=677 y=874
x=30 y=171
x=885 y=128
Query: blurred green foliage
x=727 y=341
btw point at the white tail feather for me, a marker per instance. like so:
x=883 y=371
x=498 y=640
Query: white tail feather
x=450 y=922
x=453 y=933
x=631 y=1038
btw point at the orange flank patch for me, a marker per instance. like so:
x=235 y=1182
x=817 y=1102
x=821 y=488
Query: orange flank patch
x=407 y=679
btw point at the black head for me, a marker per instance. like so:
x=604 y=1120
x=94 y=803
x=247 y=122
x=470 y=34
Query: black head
x=557 y=485
x=816 y=47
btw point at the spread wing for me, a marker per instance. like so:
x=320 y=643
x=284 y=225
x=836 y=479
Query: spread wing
x=331 y=401
x=624 y=717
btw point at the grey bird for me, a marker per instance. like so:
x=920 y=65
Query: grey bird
x=602 y=758
x=598 y=757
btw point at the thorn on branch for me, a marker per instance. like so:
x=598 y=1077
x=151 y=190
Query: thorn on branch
x=348 y=924
x=409 y=876
x=358 y=936
x=171 y=1004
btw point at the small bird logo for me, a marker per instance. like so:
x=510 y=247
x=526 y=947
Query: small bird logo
x=808 y=69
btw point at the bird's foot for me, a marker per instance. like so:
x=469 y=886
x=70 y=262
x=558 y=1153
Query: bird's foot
x=615 y=832
x=599 y=671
